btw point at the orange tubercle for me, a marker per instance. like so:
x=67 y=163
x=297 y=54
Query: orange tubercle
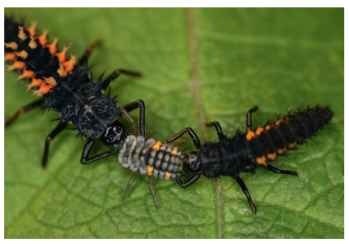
x=11 y=45
x=32 y=44
x=22 y=54
x=35 y=83
x=167 y=175
x=51 y=81
x=259 y=131
x=271 y=156
x=52 y=47
x=157 y=146
x=43 y=38
x=32 y=29
x=70 y=64
x=62 y=55
x=27 y=74
x=261 y=161
x=150 y=170
x=21 y=34
x=10 y=56
x=17 y=65
x=250 y=135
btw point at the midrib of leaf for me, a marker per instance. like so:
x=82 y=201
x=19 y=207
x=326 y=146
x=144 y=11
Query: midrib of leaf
x=199 y=112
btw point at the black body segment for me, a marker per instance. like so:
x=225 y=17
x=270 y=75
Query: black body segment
x=243 y=152
x=65 y=85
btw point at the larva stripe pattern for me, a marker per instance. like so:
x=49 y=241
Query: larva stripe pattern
x=275 y=138
x=151 y=157
x=35 y=58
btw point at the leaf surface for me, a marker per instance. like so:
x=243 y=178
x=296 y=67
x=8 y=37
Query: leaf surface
x=199 y=65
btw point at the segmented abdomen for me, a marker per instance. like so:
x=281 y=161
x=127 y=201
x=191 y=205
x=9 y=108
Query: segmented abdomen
x=151 y=157
x=277 y=137
x=34 y=58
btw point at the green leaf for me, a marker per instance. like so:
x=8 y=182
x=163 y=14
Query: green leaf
x=199 y=65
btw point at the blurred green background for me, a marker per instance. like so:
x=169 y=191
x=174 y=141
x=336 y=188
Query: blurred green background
x=199 y=65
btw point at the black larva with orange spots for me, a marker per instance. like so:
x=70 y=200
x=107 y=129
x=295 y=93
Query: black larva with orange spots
x=243 y=152
x=64 y=84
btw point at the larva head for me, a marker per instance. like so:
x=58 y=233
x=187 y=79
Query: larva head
x=193 y=161
x=114 y=135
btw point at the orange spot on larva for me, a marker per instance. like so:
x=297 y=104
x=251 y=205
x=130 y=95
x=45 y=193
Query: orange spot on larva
x=250 y=135
x=21 y=34
x=11 y=45
x=62 y=55
x=292 y=145
x=70 y=64
x=43 y=38
x=261 y=160
x=27 y=74
x=51 y=81
x=174 y=151
x=32 y=29
x=10 y=56
x=52 y=48
x=22 y=54
x=35 y=83
x=268 y=127
x=61 y=71
x=43 y=89
x=157 y=146
x=271 y=156
x=17 y=65
x=259 y=131
x=281 y=150
x=167 y=175
x=150 y=170
x=32 y=44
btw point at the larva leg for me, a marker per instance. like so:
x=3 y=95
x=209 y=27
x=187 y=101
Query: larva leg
x=281 y=171
x=88 y=51
x=152 y=190
x=58 y=129
x=26 y=108
x=87 y=158
x=246 y=192
x=194 y=137
x=249 y=117
x=218 y=129
x=138 y=104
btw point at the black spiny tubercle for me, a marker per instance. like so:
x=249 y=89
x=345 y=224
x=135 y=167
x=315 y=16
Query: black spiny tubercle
x=65 y=85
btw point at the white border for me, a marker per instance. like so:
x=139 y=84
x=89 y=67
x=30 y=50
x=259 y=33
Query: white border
x=167 y=3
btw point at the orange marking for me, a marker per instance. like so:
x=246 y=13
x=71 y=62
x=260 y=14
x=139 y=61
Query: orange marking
x=43 y=38
x=157 y=146
x=261 y=161
x=61 y=71
x=11 y=45
x=32 y=44
x=174 y=151
x=70 y=64
x=32 y=29
x=35 y=83
x=150 y=170
x=17 y=65
x=281 y=150
x=268 y=127
x=292 y=145
x=21 y=34
x=250 y=135
x=22 y=54
x=259 y=131
x=271 y=156
x=62 y=55
x=167 y=175
x=52 y=48
x=43 y=89
x=10 y=56
x=51 y=81
x=27 y=74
